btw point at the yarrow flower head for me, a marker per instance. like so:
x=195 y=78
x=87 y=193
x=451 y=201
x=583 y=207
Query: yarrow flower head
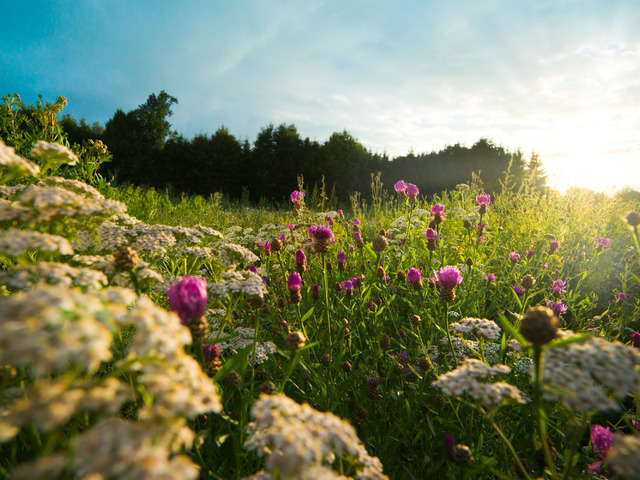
x=188 y=298
x=514 y=257
x=400 y=187
x=414 y=277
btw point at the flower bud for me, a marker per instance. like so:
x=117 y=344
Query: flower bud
x=233 y=379
x=296 y=340
x=528 y=282
x=268 y=387
x=385 y=342
x=379 y=243
x=539 y=325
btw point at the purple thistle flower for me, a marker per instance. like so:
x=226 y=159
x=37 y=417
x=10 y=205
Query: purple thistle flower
x=315 y=291
x=438 y=210
x=636 y=424
x=329 y=220
x=296 y=197
x=431 y=234
x=448 y=277
x=371 y=306
x=602 y=242
x=414 y=277
x=483 y=200
x=449 y=444
x=558 y=287
x=622 y=297
x=294 y=282
x=359 y=240
x=267 y=247
x=514 y=257
x=188 y=298
x=530 y=253
x=635 y=339
x=342 y=257
x=210 y=352
x=601 y=439
x=400 y=187
x=553 y=247
x=347 y=286
x=558 y=308
x=292 y=227
x=252 y=269
x=357 y=280
x=340 y=213
x=321 y=233
x=519 y=291
x=301 y=257
x=412 y=191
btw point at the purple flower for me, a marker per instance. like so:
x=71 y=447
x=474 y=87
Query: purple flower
x=340 y=213
x=530 y=253
x=210 y=352
x=449 y=444
x=558 y=287
x=292 y=227
x=371 y=306
x=438 y=210
x=635 y=339
x=356 y=222
x=359 y=240
x=412 y=191
x=514 y=257
x=315 y=291
x=636 y=424
x=414 y=277
x=188 y=298
x=267 y=247
x=448 y=277
x=294 y=282
x=602 y=242
x=491 y=277
x=601 y=439
x=519 y=291
x=357 y=280
x=301 y=258
x=431 y=234
x=252 y=269
x=483 y=200
x=297 y=197
x=596 y=467
x=347 y=286
x=558 y=308
x=321 y=233
x=328 y=219
x=622 y=297
x=342 y=257
x=400 y=187
x=553 y=247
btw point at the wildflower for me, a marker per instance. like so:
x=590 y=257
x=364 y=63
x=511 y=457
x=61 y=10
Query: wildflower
x=530 y=254
x=276 y=244
x=188 y=298
x=519 y=291
x=379 y=242
x=292 y=227
x=297 y=197
x=438 y=213
x=126 y=259
x=633 y=219
x=539 y=325
x=602 y=242
x=294 y=283
x=491 y=277
x=558 y=287
x=296 y=340
x=483 y=200
x=558 y=308
x=315 y=291
x=528 y=282
x=400 y=187
x=356 y=224
x=340 y=213
x=635 y=339
x=514 y=257
x=348 y=287
x=323 y=237
x=328 y=220
x=301 y=261
x=601 y=439
x=414 y=277
x=53 y=154
x=432 y=239
x=412 y=192
x=211 y=354
x=553 y=247
x=448 y=278
x=342 y=258
x=14 y=164
x=359 y=240
x=622 y=297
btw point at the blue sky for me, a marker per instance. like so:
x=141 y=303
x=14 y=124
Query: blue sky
x=558 y=77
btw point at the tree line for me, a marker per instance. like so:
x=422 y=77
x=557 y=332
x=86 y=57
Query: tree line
x=147 y=151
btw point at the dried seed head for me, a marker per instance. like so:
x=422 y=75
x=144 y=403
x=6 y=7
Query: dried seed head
x=379 y=243
x=268 y=387
x=296 y=340
x=528 y=281
x=461 y=455
x=539 y=325
x=381 y=272
x=233 y=379
x=276 y=245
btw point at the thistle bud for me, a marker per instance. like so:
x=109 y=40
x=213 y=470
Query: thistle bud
x=528 y=282
x=539 y=325
x=296 y=340
x=276 y=245
x=268 y=387
x=379 y=243
x=381 y=272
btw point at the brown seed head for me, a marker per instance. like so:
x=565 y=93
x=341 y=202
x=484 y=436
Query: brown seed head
x=539 y=325
x=296 y=340
x=633 y=219
x=379 y=243
x=528 y=282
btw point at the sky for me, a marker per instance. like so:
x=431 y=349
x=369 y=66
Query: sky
x=560 y=78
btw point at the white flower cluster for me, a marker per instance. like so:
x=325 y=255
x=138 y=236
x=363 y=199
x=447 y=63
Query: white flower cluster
x=623 y=456
x=15 y=242
x=53 y=153
x=298 y=440
x=25 y=277
x=198 y=252
x=232 y=254
x=586 y=375
x=241 y=338
x=477 y=326
x=51 y=403
x=117 y=448
x=8 y=191
x=464 y=349
x=233 y=281
x=76 y=186
x=14 y=164
x=467 y=378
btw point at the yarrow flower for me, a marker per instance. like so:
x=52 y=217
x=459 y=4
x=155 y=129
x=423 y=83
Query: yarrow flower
x=414 y=277
x=400 y=187
x=188 y=298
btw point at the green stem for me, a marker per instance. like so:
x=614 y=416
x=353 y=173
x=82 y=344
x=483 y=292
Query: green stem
x=509 y=446
x=538 y=408
x=446 y=322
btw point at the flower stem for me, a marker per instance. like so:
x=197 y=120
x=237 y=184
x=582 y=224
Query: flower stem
x=538 y=408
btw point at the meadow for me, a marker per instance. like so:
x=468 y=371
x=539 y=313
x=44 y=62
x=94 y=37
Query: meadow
x=464 y=335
